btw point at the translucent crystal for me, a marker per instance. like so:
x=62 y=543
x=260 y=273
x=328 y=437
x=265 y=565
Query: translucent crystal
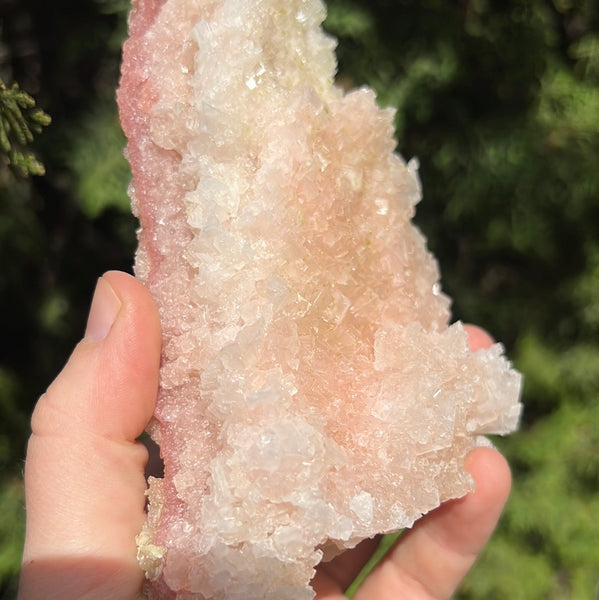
x=312 y=392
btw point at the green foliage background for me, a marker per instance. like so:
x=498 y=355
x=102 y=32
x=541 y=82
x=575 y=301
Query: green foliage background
x=499 y=100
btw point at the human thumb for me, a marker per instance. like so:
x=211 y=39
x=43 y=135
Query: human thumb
x=84 y=473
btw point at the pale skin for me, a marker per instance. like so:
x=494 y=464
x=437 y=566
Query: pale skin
x=84 y=477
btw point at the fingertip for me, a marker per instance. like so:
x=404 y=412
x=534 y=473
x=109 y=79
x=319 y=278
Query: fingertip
x=141 y=311
x=109 y=384
x=468 y=522
x=492 y=478
x=478 y=338
x=131 y=358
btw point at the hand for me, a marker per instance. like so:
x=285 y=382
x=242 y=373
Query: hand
x=84 y=477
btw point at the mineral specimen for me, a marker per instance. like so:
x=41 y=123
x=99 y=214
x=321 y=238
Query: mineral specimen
x=312 y=392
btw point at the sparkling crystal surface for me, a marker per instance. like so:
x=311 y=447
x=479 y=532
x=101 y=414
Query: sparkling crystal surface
x=312 y=391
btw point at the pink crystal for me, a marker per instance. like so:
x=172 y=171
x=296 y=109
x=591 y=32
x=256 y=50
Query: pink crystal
x=312 y=392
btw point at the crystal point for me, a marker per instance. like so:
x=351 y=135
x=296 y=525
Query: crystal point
x=312 y=391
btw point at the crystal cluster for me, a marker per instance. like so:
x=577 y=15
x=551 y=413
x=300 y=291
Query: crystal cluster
x=312 y=392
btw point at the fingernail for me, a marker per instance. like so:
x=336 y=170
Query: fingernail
x=102 y=314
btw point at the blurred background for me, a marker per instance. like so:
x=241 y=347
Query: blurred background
x=498 y=99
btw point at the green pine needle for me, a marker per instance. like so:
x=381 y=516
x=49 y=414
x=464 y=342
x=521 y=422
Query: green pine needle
x=19 y=121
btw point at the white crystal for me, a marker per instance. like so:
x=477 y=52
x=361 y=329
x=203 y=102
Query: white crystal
x=312 y=393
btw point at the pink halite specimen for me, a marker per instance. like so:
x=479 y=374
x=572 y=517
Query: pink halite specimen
x=312 y=393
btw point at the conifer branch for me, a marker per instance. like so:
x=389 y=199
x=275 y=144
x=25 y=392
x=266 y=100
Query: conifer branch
x=19 y=121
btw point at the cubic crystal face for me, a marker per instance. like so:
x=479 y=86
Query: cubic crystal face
x=312 y=393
